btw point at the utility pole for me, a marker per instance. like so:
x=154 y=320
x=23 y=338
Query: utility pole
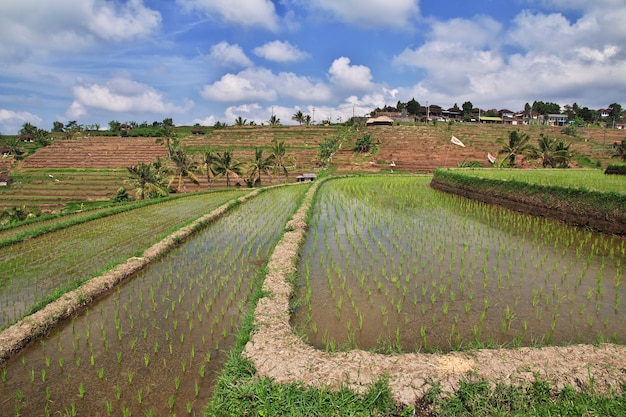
x=313 y=115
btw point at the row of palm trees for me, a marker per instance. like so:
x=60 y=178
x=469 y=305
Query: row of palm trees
x=553 y=153
x=158 y=178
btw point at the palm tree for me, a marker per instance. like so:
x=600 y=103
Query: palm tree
x=240 y=122
x=207 y=163
x=274 y=121
x=260 y=165
x=298 y=117
x=226 y=165
x=13 y=143
x=553 y=153
x=185 y=167
x=147 y=179
x=280 y=157
x=517 y=144
x=168 y=136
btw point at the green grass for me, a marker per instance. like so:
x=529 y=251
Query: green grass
x=481 y=398
x=70 y=255
x=591 y=180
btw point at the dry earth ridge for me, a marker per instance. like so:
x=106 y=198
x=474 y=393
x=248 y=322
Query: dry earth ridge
x=278 y=353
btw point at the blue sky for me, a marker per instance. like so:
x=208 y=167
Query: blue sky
x=202 y=61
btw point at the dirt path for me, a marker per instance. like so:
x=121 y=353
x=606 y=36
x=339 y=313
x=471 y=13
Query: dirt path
x=279 y=354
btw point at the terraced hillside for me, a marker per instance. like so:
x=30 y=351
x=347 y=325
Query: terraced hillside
x=96 y=152
x=92 y=169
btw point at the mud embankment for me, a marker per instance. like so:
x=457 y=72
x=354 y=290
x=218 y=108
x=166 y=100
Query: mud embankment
x=568 y=211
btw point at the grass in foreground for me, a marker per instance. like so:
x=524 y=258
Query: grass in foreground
x=480 y=398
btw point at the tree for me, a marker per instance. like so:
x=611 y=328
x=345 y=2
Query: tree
x=239 y=121
x=615 y=111
x=280 y=157
x=467 y=108
x=168 y=122
x=307 y=119
x=14 y=144
x=364 y=143
x=226 y=165
x=185 y=167
x=208 y=160
x=168 y=136
x=274 y=121
x=620 y=151
x=57 y=126
x=115 y=126
x=413 y=107
x=72 y=128
x=42 y=138
x=553 y=153
x=518 y=143
x=260 y=165
x=147 y=179
x=298 y=117
x=28 y=129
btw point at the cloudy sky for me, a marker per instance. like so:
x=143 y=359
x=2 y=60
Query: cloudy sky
x=202 y=61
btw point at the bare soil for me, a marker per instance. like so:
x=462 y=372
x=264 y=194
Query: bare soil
x=278 y=353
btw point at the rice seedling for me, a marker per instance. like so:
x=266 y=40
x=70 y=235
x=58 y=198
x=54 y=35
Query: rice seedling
x=523 y=263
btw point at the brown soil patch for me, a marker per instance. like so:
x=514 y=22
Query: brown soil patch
x=279 y=354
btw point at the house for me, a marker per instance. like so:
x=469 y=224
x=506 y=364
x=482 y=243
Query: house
x=5 y=179
x=490 y=119
x=307 y=177
x=555 y=119
x=380 y=121
x=603 y=113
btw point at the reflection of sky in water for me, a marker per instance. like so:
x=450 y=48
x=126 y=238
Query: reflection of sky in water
x=162 y=323
x=397 y=244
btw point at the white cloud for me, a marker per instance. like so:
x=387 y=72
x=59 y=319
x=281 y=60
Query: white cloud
x=71 y=25
x=227 y=55
x=350 y=77
x=11 y=120
x=279 y=51
x=555 y=59
x=246 y=13
x=207 y=121
x=253 y=85
x=121 y=95
x=370 y=13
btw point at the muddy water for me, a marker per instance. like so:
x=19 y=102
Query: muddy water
x=391 y=264
x=154 y=345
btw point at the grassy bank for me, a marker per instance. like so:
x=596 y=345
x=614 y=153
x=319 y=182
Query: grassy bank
x=580 y=205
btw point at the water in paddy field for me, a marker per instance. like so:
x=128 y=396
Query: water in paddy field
x=389 y=263
x=154 y=345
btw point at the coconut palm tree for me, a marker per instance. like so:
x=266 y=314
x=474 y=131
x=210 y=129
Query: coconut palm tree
x=274 y=121
x=185 y=167
x=168 y=136
x=260 y=165
x=208 y=160
x=147 y=179
x=517 y=144
x=226 y=165
x=298 y=117
x=280 y=157
x=553 y=153
x=239 y=121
